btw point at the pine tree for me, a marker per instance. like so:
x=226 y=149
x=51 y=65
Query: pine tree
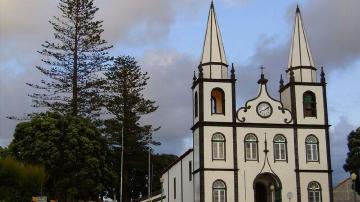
x=352 y=163
x=72 y=63
x=124 y=100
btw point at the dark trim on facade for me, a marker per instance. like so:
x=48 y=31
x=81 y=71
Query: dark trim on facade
x=234 y=114
x=213 y=63
x=176 y=161
x=201 y=139
x=299 y=84
x=258 y=125
x=327 y=134
x=301 y=67
x=313 y=171
x=199 y=80
x=214 y=169
x=295 y=126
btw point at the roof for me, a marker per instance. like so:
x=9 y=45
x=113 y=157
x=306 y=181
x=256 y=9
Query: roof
x=300 y=54
x=213 y=49
x=176 y=161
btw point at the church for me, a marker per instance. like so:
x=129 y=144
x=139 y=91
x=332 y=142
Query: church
x=267 y=150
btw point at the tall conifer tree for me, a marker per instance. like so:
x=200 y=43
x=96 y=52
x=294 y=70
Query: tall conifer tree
x=126 y=103
x=73 y=61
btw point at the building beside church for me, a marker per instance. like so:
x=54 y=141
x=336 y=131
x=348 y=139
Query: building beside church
x=268 y=149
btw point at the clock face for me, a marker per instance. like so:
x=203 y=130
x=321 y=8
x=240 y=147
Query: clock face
x=264 y=109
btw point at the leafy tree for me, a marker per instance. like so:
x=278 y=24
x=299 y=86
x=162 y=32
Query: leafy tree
x=18 y=181
x=72 y=151
x=352 y=163
x=73 y=61
x=124 y=84
x=4 y=152
x=160 y=163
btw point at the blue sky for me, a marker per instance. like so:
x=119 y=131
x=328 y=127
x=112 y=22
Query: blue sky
x=166 y=37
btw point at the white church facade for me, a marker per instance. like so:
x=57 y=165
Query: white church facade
x=267 y=150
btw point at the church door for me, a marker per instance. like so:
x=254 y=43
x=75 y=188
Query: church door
x=260 y=193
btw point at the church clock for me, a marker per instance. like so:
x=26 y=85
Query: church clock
x=264 y=109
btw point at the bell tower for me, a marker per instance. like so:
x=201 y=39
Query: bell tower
x=305 y=97
x=213 y=116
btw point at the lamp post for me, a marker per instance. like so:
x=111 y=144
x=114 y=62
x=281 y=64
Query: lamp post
x=353 y=178
x=272 y=188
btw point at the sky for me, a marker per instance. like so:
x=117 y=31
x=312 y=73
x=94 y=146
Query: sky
x=166 y=37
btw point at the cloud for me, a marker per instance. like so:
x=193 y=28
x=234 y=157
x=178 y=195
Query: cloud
x=338 y=138
x=170 y=81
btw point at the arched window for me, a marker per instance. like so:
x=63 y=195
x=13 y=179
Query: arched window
x=217 y=101
x=280 y=148
x=196 y=108
x=218 y=146
x=219 y=191
x=309 y=104
x=251 y=147
x=314 y=192
x=312 y=148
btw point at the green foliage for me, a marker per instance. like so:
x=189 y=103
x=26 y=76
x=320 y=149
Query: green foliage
x=4 y=152
x=19 y=181
x=160 y=163
x=71 y=149
x=73 y=61
x=352 y=163
x=123 y=98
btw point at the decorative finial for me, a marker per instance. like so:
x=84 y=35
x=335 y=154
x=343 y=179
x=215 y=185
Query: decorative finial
x=297 y=8
x=292 y=78
x=281 y=82
x=322 y=75
x=232 y=71
x=262 y=69
x=262 y=79
x=200 y=71
x=266 y=149
x=212 y=4
x=194 y=78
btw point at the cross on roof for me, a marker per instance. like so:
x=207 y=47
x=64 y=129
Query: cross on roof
x=262 y=69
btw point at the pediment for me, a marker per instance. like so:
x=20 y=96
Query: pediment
x=264 y=109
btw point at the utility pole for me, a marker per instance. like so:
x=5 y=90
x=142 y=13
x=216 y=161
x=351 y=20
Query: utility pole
x=122 y=161
x=149 y=174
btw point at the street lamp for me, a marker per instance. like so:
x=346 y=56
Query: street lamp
x=353 y=178
x=272 y=188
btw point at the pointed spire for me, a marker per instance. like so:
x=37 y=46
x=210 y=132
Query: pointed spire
x=194 y=78
x=213 y=49
x=322 y=75
x=300 y=54
x=232 y=71
x=281 y=82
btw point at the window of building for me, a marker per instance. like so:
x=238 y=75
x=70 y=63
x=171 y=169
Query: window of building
x=174 y=188
x=251 y=147
x=219 y=191
x=196 y=108
x=218 y=146
x=280 y=148
x=190 y=171
x=314 y=192
x=312 y=148
x=217 y=101
x=309 y=104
